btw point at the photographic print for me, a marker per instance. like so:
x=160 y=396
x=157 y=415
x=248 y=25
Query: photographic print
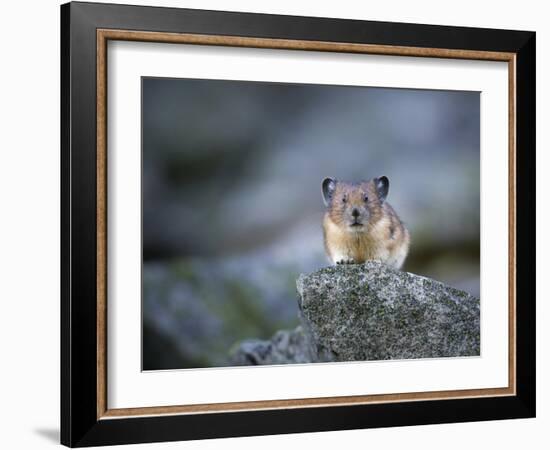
x=299 y=223
x=278 y=224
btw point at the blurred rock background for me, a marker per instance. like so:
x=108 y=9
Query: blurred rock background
x=232 y=203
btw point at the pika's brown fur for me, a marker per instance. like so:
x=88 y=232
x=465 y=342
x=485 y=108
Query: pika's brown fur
x=359 y=224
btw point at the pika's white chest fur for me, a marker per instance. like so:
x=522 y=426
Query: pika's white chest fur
x=373 y=243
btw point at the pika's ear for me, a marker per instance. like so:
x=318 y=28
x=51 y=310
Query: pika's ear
x=382 y=187
x=329 y=185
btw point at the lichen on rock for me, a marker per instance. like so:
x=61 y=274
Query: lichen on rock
x=372 y=312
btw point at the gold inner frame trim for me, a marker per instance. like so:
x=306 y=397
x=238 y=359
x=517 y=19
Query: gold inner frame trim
x=103 y=36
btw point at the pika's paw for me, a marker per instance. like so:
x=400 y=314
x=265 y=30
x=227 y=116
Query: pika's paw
x=345 y=261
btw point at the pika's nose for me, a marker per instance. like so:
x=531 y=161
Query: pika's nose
x=355 y=213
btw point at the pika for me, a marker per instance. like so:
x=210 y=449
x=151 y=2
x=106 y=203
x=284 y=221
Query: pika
x=360 y=225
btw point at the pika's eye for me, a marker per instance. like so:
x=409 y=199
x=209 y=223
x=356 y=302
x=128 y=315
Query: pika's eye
x=344 y=199
x=366 y=199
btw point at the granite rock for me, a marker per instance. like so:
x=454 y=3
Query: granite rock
x=374 y=312
x=285 y=347
x=371 y=312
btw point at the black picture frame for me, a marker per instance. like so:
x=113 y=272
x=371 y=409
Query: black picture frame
x=80 y=425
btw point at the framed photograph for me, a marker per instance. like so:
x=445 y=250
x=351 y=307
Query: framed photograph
x=276 y=224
